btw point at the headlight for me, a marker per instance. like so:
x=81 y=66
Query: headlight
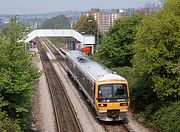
x=123 y=104
x=102 y=105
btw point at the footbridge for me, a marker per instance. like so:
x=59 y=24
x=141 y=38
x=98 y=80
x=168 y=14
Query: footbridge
x=85 y=40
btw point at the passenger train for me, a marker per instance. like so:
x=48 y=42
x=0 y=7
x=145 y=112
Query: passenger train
x=108 y=92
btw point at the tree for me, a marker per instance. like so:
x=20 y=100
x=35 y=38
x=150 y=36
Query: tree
x=87 y=25
x=157 y=57
x=16 y=74
x=58 y=22
x=77 y=25
x=116 y=47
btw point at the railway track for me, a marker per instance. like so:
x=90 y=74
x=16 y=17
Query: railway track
x=55 y=52
x=114 y=126
x=66 y=120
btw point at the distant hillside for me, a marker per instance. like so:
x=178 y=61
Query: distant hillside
x=36 y=20
x=58 y=22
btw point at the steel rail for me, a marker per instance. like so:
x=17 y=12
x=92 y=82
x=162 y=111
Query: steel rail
x=65 y=115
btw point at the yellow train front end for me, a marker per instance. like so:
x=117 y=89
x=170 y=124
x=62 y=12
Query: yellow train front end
x=112 y=100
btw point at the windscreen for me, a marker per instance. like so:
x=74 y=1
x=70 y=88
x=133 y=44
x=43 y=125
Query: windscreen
x=112 y=92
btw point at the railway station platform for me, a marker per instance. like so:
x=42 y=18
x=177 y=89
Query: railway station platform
x=84 y=40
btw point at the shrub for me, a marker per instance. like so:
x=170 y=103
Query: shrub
x=7 y=124
x=167 y=118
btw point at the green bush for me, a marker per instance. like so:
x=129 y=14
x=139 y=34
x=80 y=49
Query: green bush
x=167 y=118
x=7 y=124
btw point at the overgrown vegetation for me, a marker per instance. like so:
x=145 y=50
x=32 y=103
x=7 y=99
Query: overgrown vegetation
x=146 y=52
x=17 y=76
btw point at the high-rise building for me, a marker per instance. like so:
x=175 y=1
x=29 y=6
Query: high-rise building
x=105 y=19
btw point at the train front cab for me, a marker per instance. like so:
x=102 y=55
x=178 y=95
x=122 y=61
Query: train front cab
x=112 y=100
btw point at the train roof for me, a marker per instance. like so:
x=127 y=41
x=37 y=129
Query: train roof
x=95 y=70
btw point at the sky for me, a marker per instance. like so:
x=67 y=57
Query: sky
x=48 y=6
